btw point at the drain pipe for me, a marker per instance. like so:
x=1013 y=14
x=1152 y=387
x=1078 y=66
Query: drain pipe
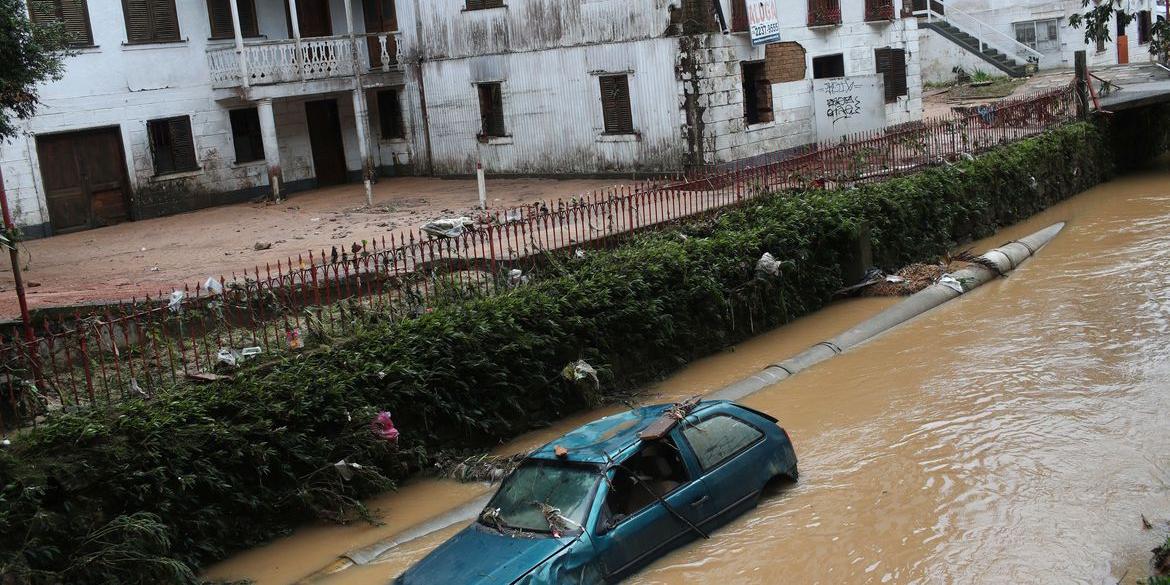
x=1004 y=259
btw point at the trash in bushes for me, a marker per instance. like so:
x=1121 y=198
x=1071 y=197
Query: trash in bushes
x=513 y=215
x=213 y=286
x=248 y=352
x=5 y=443
x=137 y=389
x=580 y=370
x=228 y=356
x=579 y=253
x=448 y=228
x=383 y=427
x=767 y=265
x=345 y=469
x=516 y=277
x=294 y=339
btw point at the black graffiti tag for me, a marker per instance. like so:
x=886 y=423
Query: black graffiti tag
x=842 y=108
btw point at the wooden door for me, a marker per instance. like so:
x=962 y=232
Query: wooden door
x=84 y=174
x=1122 y=50
x=325 y=142
x=313 y=17
x=380 y=17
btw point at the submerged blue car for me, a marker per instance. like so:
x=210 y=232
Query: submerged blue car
x=610 y=497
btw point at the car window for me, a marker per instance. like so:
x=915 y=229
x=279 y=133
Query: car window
x=539 y=486
x=719 y=437
x=652 y=472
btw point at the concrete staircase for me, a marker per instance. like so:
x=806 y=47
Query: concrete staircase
x=996 y=58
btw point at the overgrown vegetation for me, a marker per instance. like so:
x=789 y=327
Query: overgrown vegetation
x=146 y=492
x=32 y=53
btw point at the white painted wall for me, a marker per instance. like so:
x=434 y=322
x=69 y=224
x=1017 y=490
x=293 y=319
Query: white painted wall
x=940 y=55
x=1002 y=14
x=115 y=84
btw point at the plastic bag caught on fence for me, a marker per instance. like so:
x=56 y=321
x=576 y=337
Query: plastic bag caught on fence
x=448 y=228
x=213 y=286
x=176 y=302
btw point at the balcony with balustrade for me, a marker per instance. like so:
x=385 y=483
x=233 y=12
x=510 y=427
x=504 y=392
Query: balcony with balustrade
x=257 y=68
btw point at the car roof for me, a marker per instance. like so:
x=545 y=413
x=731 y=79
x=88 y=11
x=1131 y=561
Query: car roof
x=604 y=439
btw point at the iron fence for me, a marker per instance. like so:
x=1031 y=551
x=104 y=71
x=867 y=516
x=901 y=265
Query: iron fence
x=142 y=347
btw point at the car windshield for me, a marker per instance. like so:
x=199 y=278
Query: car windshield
x=527 y=498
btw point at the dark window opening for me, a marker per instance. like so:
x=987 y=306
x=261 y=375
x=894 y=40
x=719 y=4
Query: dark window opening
x=220 y=14
x=828 y=66
x=390 y=115
x=1121 y=23
x=653 y=472
x=615 y=104
x=151 y=21
x=491 y=110
x=72 y=14
x=891 y=63
x=246 y=135
x=171 y=145
x=757 y=94
x=484 y=4
x=1144 y=26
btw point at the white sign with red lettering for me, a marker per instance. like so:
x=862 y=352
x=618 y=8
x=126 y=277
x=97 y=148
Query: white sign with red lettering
x=763 y=21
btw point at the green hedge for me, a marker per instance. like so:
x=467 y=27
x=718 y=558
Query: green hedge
x=148 y=492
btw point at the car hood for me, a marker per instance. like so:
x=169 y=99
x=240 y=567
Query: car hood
x=484 y=557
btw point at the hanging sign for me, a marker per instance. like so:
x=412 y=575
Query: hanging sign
x=763 y=21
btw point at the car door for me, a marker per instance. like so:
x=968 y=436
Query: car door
x=627 y=542
x=729 y=450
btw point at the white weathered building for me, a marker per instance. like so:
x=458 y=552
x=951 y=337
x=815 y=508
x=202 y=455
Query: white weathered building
x=1024 y=31
x=173 y=105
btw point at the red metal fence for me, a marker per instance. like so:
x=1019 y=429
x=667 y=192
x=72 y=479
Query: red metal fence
x=142 y=347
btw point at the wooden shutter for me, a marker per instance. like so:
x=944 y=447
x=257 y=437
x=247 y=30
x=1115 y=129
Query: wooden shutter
x=220 y=14
x=172 y=145
x=491 y=109
x=183 y=143
x=891 y=63
x=72 y=14
x=165 y=20
x=151 y=21
x=615 y=104
x=482 y=4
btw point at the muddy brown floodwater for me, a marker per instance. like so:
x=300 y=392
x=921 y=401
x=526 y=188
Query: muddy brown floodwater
x=1015 y=435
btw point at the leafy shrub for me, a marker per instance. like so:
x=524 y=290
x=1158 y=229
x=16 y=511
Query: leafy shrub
x=146 y=492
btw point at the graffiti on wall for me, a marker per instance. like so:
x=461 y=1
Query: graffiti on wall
x=848 y=104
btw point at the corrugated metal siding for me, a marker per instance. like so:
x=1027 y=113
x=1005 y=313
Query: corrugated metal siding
x=448 y=31
x=552 y=110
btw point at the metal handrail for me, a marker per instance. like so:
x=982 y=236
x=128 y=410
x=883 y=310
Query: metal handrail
x=980 y=30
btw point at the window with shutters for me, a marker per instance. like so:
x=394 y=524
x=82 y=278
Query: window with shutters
x=491 y=110
x=73 y=14
x=757 y=94
x=483 y=4
x=151 y=21
x=615 y=104
x=220 y=14
x=246 y=135
x=171 y=145
x=390 y=115
x=739 y=16
x=891 y=63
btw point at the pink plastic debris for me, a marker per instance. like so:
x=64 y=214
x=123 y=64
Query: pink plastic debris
x=383 y=426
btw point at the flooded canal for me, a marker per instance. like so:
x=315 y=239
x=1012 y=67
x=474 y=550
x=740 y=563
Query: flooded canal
x=1017 y=434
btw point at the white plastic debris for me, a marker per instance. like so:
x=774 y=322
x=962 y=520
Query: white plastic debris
x=580 y=370
x=513 y=215
x=247 y=352
x=176 y=303
x=579 y=253
x=517 y=277
x=895 y=279
x=767 y=265
x=213 y=286
x=951 y=282
x=134 y=387
x=228 y=356
x=343 y=469
x=448 y=228
x=5 y=443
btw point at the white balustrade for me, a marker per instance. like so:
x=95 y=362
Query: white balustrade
x=280 y=61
